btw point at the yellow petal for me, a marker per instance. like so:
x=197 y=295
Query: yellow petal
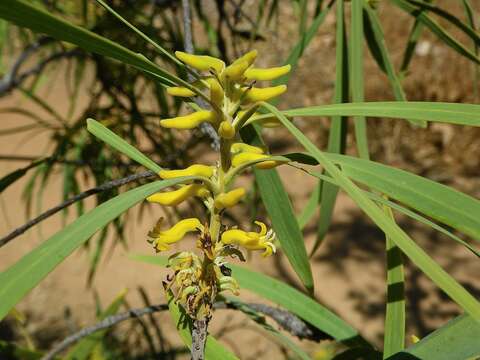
x=264 y=94
x=229 y=199
x=193 y=170
x=189 y=121
x=249 y=57
x=226 y=130
x=216 y=91
x=267 y=74
x=173 y=198
x=178 y=231
x=201 y=62
x=234 y=72
x=245 y=157
x=242 y=147
x=180 y=91
x=234 y=236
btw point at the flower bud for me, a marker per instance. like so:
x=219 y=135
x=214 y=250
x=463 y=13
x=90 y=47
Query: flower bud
x=229 y=199
x=264 y=94
x=216 y=91
x=267 y=74
x=249 y=57
x=189 y=121
x=226 y=130
x=173 y=198
x=245 y=157
x=234 y=72
x=193 y=170
x=180 y=91
x=242 y=147
x=201 y=62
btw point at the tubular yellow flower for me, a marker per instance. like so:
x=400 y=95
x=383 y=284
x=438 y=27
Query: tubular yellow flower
x=163 y=238
x=173 y=198
x=192 y=170
x=264 y=94
x=180 y=91
x=235 y=71
x=189 y=121
x=216 y=91
x=246 y=157
x=267 y=74
x=229 y=199
x=201 y=62
x=242 y=147
x=249 y=57
x=226 y=130
x=251 y=240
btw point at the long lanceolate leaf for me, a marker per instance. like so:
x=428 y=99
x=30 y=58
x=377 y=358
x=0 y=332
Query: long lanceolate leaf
x=338 y=128
x=287 y=297
x=356 y=76
x=459 y=114
x=27 y=15
x=280 y=211
x=25 y=274
x=120 y=145
x=390 y=228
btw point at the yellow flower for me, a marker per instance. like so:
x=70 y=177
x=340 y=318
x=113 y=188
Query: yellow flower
x=163 y=238
x=226 y=130
x=245 y=157
x=249 y=57
x=264 y=94
x=192 y=170
x=216 y=91
x=251 y=240
x=234 y=72
x=201 y=62
x=229 y=199
x=180 y=91
x=189 y=121
x=267 y=74
x=173 y=198
x=242 y=147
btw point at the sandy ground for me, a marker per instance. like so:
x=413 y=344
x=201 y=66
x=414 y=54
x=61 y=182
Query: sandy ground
x=349 y=269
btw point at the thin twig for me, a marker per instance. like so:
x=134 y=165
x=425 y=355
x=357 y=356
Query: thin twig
x=288 y=321
x=104 y=324
x=98 y=189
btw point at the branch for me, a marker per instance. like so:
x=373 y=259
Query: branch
x=289 y=322
x=104 y=324
x=105 y=186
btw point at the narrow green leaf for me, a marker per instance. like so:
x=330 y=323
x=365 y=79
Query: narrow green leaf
x=390 y=228
x=213 y=349
x=289 y=298
x=304 y=217
x=452 y=113
x=84 y=348
x=458 y=339
x=121 y=145
x=15 y=175
x=32 y=268
x=356 y=75
x=280 y=211
x=29 y=16
x=437 y=30
x=412 y=41
x=338 y=128
x=377 y=40
x=394 y=338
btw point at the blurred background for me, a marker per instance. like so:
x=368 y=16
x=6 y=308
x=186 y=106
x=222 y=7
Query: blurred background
x=49 y=88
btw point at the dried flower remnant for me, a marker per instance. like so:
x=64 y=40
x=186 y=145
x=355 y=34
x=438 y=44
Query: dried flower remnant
x=233 y=99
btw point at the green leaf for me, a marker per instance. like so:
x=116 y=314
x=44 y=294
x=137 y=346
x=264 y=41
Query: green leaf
x=287 y=297
x=32 y=268
x=356 y=75
x=15 y=175
x=304 y=217
x=29 y=16
x=390 y=228
x=338 y=128
x=460 y=114
x=412 y=41
x=437 y=29
x=394 y=338
x=84 y=348
x=213 y=349
x=281 y=214
x=458 y=339
x=376 y=40
x=121 y=145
